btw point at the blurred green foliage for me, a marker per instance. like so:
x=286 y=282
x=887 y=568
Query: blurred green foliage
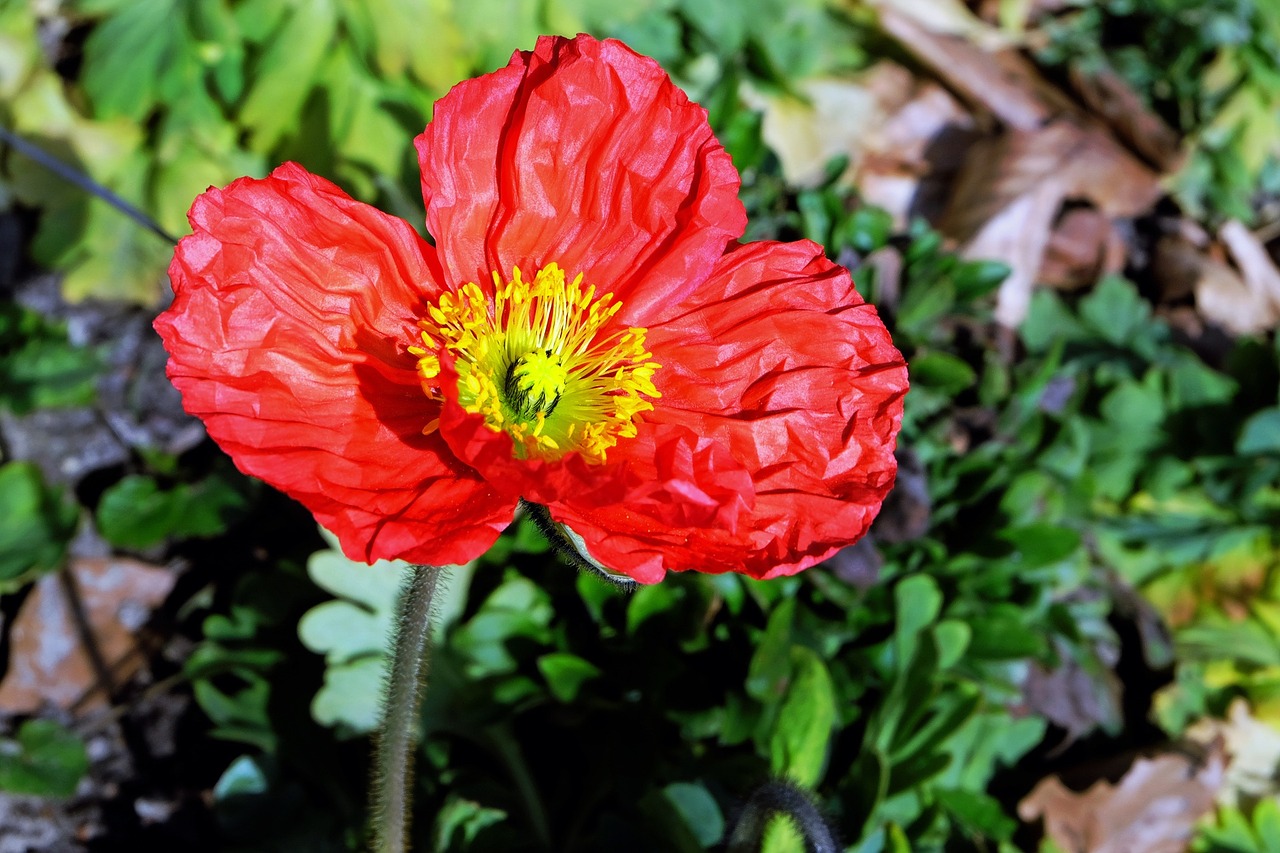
x=36 y=522
x=43 y=759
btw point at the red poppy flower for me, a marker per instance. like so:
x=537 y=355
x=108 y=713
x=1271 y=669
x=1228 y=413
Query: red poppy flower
x=585 y=334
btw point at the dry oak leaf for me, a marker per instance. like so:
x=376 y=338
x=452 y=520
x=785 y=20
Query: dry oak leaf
x=1008 y=196
x=1222 y=296
x=1153 y=809
x=1253 y=750
x=48 y=662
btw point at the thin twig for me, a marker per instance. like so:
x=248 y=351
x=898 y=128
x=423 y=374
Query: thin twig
x=397 y=739
x=75 y=605
x=80 y=179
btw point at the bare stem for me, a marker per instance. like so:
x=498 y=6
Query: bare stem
x=397 y=739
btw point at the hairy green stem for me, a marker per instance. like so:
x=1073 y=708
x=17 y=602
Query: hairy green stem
x=781 y=798
x=397 y=739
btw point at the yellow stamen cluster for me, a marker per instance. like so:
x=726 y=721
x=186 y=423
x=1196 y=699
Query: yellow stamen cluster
x=535 y=361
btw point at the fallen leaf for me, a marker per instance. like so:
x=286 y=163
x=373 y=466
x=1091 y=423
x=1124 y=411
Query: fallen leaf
x=1253 y=753
x=48 y=662
x=1018 y=236
x=997 y=82
x=1072 y=697
x=1221 y=294
x=1251 y=258
x=829 y=119
x=1083 y=247
x=904 y=138
x=911 y=160
x=908 y=509
x=1007 y=198
x=947 y=17
x=1114 y=101
x=1153 y=809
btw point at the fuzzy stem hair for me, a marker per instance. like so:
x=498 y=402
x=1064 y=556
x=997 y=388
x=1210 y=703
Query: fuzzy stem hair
x=397 y=740
x=776 y=798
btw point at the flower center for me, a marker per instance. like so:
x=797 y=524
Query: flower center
x=536 y=360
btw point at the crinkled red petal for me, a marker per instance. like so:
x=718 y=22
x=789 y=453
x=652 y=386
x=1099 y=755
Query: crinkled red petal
x=293 y=307
x=584 y=154
x=780 y=364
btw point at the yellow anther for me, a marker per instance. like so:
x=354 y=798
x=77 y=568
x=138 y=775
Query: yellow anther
x=538 y=360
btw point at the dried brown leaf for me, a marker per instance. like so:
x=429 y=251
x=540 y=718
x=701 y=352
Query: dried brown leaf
x=1253 y=752
x=1086 y=163
x=831 y=118
x=1008 y=195
x=1222 y=296
x=48 y=663
x=913 y=158
x=1083 y=247
x=1251 y=258
x=1153 y=809
x=1018 y=235
x=1000 y=87
x=947 y=17
x=1114 y=101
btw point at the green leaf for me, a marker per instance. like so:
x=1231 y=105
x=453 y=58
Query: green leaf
x=465 y=818
x=699 y=809
x=136 y=512
x=44 y=760
x=137 y=55
x=917 y=604
x=351 y=698
x=943 y=371
x=244 y=777
x=771 y=664
x=649 y=602
x=952 y=639
x=1038 y=545
x=979 y=814
x=353 y=632
x=286 y=73
x=1115 y=311
x=1261 y=433
x=798 y=745
x=1048 y=322
x=39 y=368
x=976 y=279
x=35 y=524
x=867 y=229
x=565 y=674
x=923 y=303
x=421 y=37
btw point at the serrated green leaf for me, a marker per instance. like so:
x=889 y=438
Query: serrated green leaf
x=286 y=73
x=138 y=52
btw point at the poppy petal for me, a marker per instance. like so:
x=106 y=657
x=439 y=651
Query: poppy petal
x=585 y=154
x=293 y=307
x=778 y=361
